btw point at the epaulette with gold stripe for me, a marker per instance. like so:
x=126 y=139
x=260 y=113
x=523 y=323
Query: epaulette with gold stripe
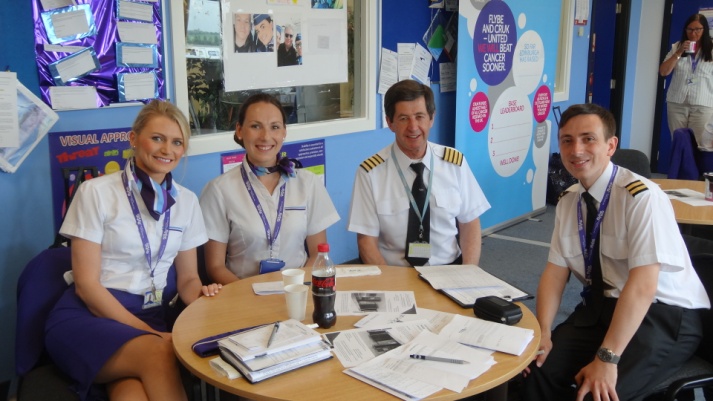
x=636 y=187
x=371 y=162
x=562 y=194
x=453 y=156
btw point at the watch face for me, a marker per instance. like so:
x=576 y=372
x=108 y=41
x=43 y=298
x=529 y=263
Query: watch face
x=605 y=354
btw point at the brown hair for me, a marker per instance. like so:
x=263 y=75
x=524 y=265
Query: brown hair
x=405 y=91
x=605 y=115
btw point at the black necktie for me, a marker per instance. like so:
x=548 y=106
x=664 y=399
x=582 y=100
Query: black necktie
x=418 y=190
x=593 y=302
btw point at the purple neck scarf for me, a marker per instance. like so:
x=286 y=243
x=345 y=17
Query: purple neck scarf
x=285 y=166
x=157 y=197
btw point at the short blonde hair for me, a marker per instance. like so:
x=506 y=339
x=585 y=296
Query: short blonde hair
x=157 y=108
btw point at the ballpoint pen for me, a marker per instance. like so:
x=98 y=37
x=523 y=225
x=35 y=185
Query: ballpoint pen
x=438 y=359
x=272 y=335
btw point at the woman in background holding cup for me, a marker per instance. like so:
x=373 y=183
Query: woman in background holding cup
x=690 y=95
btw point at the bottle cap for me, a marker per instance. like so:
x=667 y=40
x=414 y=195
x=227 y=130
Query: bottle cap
x=323 y=248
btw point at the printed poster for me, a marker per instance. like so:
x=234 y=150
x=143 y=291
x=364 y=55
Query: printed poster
x=506 y=75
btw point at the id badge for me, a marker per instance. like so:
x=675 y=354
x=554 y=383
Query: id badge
x=152 y=298
x=691 y=81
x=419 y=250
x=271 y=265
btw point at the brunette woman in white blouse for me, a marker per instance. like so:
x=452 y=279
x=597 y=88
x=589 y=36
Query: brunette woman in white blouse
x=265 y=214
x=690 y=94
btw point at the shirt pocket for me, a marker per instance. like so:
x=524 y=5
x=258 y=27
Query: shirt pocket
x=295 y=216
x=392 y=207
x=614 y=248
x=449 y=200
x=572 y=252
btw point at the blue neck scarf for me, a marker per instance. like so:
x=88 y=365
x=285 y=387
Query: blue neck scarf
x=157 y=197
x=285 y=166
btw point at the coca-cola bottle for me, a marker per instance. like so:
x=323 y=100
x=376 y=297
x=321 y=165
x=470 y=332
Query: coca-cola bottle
x=323 y=288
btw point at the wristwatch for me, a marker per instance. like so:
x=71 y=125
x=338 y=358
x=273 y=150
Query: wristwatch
x=607 y=355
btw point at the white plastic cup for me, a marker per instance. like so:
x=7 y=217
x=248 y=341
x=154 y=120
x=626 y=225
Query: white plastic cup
x=293 y=276
x=296 y=297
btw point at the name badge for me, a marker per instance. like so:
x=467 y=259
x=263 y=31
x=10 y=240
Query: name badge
x=152 y=298
x=419 y=250
x=271 y=265
x=691 y=81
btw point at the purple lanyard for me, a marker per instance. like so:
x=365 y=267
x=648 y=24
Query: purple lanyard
x=694 y=63
x=280 y=209
x=142 y=230
x=588 y=251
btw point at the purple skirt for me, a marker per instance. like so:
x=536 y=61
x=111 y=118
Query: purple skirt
x=80 y=343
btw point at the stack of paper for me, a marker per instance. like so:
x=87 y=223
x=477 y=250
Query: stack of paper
x=294 y=345
x=411 y=379
x=466 y=283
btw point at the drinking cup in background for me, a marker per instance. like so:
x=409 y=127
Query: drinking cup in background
x=293 y=276
x=691 y=48
x=296 y=297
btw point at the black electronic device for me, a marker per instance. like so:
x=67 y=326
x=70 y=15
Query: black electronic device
x=497 y=309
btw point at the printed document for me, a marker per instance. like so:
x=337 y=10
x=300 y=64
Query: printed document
x=350 y=303
x=357 y=346
x=489 y=335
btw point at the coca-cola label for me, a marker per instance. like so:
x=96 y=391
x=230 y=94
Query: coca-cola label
x=323 y=282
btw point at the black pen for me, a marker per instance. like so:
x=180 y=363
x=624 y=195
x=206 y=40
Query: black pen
x=438 y=359
x=272 y=335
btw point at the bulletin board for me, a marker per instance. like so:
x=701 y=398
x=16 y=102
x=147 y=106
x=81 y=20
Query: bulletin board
x=111 y=47
x=419 y=20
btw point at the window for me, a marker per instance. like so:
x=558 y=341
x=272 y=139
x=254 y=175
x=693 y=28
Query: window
x=313 y=111
x=564 y=54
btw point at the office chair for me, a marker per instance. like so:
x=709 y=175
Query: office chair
x=687 y=161
x=39 y=287
x=698 y=371
x=634 y=160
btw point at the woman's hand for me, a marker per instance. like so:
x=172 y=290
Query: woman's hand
x=669 y=64
x=211 y=290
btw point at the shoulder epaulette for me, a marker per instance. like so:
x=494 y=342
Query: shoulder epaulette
x=562 y=194
x=371 y=162
x=636 y=187
x=453 y=156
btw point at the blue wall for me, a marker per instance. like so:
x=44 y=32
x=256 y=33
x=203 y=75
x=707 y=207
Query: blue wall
x=25 y=196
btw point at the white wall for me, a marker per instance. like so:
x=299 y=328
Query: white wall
x=642 y=74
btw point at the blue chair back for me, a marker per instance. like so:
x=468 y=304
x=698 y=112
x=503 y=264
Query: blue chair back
x=39 y=287
x=683 y=162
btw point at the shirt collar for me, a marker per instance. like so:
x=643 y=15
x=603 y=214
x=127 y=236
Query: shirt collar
x=600 y=185
x=404 y=161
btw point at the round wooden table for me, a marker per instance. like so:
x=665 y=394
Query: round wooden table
x=237 y=306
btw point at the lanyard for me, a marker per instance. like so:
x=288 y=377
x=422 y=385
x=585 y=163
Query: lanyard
x=408 y=190
x=142 y=230
x=280 y=209
x=694 y=63
x=588 y=249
